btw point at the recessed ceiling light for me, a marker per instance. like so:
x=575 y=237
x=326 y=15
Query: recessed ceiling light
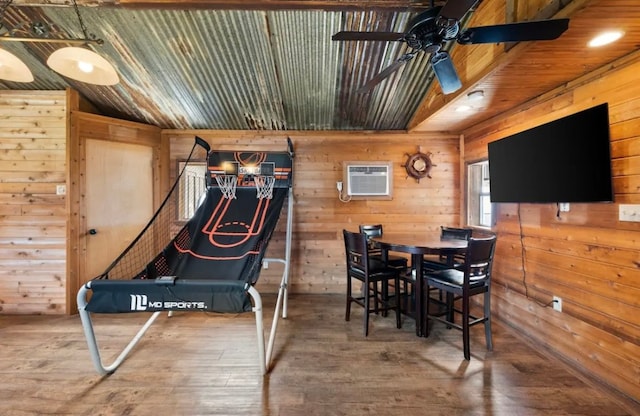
x=605 y=38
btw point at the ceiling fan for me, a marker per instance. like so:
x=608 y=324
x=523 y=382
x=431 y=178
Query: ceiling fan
x=429 y=31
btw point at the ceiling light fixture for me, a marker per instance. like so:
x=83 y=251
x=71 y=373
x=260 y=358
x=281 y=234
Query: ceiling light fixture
x=605 y=38
x=76 y=63
x=83 y=65
x=13 y=69
x=476 y=95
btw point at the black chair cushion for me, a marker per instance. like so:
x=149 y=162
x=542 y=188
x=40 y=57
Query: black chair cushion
x=454 y=277
x=377 y=270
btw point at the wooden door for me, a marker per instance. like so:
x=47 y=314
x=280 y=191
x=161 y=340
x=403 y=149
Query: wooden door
x=118 y=200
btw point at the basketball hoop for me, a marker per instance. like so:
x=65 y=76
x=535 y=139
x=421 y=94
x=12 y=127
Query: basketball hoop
x=264 y=186
x=227 y=184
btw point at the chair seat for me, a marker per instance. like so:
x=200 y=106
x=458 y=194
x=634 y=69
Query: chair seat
x=454 y=277
x=376 y=271
x=392 y=261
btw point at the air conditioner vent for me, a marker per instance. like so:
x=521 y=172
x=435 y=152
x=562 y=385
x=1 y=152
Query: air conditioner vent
x=369 y=179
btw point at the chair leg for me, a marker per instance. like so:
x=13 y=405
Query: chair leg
x=465 y=328
x=367 y=298
x=375 y=297
x=450 y=305
x=397 y=296
x=348 y=311
x=427 y=306
x=487 y=322
x=385 y=296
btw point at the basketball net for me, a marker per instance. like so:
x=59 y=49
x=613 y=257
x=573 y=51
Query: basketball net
x=227 y=184
x=264 y=186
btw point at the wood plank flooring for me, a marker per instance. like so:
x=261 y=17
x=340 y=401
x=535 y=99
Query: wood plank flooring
x=205 y=364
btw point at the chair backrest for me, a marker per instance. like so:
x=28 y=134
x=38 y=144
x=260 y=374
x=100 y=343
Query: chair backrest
x=371 y=231
x=451 y=233
x=479 y=258
x=356 y=250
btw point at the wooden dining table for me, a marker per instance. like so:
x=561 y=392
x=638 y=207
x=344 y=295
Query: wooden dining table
x=419 y=246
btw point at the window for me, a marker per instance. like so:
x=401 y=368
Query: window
x=191 y=188
x=479 y=208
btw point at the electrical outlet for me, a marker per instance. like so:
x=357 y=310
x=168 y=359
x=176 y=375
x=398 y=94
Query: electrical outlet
x=339 y=186
x=265 y=264
x=629 y=212
x=565 y=207
x=557 y=303
x=61 y=189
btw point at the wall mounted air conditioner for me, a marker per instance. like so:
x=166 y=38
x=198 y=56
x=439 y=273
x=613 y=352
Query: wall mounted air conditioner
x=369 y=179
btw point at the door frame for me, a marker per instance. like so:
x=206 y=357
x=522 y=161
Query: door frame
x=83 y=126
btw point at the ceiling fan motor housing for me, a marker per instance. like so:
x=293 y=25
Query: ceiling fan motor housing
x=427 y=31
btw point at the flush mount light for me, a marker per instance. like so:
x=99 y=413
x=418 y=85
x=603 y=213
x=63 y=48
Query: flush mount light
x=605 y=38
x=76 y=63
x=477 y=95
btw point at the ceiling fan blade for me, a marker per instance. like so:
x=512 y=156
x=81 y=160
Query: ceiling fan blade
x=456 y=9
x=515 y=32
x=384 y=73
x=445 y=72
x=375 y=36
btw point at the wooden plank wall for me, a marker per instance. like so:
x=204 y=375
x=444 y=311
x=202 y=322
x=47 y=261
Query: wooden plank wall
x=586 y=256
x=33 y=218
x=319 y=217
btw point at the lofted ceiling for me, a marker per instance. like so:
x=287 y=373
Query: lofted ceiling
x=271 y=64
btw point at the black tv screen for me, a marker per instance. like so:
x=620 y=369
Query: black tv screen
x=566 y=160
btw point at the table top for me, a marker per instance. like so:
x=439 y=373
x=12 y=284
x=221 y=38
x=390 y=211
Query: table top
x=427 y=244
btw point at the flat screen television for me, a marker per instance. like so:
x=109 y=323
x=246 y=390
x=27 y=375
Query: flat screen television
x=566 y=160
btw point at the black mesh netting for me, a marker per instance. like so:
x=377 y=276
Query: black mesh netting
x=160 y=230
x=225 y=239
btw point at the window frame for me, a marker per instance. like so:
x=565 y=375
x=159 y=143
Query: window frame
x=477 y=190
x=186 y=198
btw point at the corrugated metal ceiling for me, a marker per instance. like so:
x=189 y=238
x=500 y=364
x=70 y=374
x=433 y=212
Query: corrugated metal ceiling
x=231 y=69
x=280 y=70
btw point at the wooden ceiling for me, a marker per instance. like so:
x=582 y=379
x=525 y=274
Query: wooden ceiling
x=530 y=69
x=273 y=65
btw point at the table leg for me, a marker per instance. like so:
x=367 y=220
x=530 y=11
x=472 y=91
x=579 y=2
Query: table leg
x=384 y=255
x=416 y=259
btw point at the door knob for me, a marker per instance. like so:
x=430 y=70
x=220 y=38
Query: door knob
x=93 y=231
